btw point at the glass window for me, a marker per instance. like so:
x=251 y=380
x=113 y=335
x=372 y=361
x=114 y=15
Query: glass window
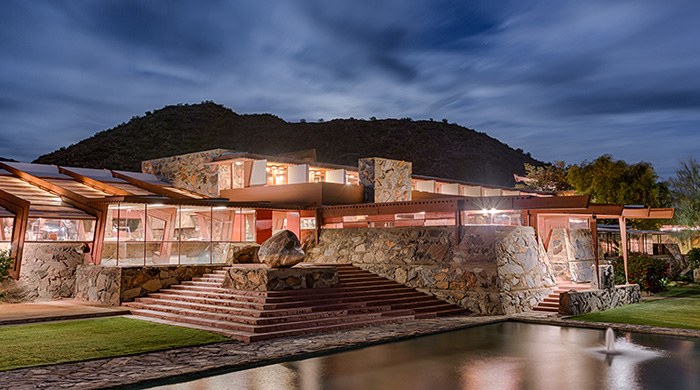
x=44 y=229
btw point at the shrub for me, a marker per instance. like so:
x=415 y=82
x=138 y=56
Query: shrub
x=694 y=258
x=5 y=264
x=650 y=273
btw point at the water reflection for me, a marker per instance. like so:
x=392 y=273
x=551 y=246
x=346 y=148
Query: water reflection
x=501 y=356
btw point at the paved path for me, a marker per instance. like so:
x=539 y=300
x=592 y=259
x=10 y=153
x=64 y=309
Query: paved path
x=24 y=313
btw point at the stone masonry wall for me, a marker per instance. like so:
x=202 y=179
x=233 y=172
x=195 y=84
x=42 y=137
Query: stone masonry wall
x=587 y=301
x=111 y=286
x=571 y=254
x=258 y=277
x=47 y=273
x=493 y=269
x=190 y=171
x=385 y=180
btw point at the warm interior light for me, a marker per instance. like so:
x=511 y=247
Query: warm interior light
x=239 y=163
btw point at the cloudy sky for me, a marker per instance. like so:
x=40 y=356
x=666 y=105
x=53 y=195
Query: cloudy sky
x=564 y=80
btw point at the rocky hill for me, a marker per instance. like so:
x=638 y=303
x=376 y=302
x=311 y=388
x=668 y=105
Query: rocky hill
x=435 y=148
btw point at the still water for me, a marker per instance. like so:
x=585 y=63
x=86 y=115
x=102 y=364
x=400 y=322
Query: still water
x=501 y=356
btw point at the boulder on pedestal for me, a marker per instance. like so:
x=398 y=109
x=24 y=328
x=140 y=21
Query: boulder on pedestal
x=281 y=250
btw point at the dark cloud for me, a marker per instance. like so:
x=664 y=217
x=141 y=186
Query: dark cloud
x=564 y=80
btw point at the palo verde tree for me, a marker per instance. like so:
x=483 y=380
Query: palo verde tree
x=549 y=177
x=608 y=180
x=685 y=189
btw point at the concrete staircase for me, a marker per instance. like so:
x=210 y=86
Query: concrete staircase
x=551 y=303
x=360 y=299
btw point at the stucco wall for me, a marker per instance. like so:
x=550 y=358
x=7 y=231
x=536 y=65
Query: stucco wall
x=493 y=269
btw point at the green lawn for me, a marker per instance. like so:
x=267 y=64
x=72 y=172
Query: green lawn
x=667 y=313
x=70 y=341
x=681 y=292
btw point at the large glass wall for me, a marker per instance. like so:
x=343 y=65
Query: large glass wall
x=154 y=234
x=6 y=226
x=45 y=229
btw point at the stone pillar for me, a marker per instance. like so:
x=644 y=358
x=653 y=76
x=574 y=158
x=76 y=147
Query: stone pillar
x=385 y=180
x=607 y=278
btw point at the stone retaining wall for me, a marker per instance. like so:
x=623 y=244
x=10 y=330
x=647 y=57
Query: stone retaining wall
x=111 y=286
x=191 y=171
x=257 y=277
x=493 y=269
x=571 y=254
x=587 y=301
x=47 y=273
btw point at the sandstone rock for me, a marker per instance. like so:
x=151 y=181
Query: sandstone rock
x=281 y=250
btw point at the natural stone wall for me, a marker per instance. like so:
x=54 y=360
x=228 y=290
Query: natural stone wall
x=558 y=251
x=112 y=285
x=385 y=180
x=571 y=254
x=493 y=269
x=257 y=277
x=607 y=277
x=190 y=171
x=587 y=301
x=581 y=241
x=98 y=284
x=47 y=272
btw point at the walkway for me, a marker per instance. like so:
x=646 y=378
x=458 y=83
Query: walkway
x=24 y=313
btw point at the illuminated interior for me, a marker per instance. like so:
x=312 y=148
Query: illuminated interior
x=146 y=234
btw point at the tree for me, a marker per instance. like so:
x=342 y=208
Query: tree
x=612 y=181
x=685 y=189
x=550 y=177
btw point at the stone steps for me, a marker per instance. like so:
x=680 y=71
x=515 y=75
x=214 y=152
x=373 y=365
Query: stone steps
x=288 y=304
x=360 y=299
x=550 y=304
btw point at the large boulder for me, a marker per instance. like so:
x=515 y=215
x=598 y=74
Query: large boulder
x=281 y=250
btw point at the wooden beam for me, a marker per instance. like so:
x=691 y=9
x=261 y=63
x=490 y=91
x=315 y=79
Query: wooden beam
x=104 y=187
x=155 y=188
x=20 y=208
x=623 y=238
x=76 y=200
x=594 y=232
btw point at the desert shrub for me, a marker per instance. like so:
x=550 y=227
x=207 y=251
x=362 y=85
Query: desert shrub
x=694 y=258
x=649 y=272
x=5 y=264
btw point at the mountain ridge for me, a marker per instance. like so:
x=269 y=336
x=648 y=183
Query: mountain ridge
x=438 y=149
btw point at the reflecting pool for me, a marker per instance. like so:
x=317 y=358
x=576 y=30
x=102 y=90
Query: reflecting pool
x=501 y=356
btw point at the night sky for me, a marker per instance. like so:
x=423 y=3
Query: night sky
x=564 y=80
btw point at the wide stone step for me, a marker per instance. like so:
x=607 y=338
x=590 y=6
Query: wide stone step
x=242 y=302
x=231 y=322
x=251 y=317
x=546 y=309
x=549 y=304
x=204 y=284
x=342 y=287
x=250 y=337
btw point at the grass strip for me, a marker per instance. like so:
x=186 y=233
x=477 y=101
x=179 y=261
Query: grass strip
x=680 y=292
x=72 y=341
x=667 y=313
